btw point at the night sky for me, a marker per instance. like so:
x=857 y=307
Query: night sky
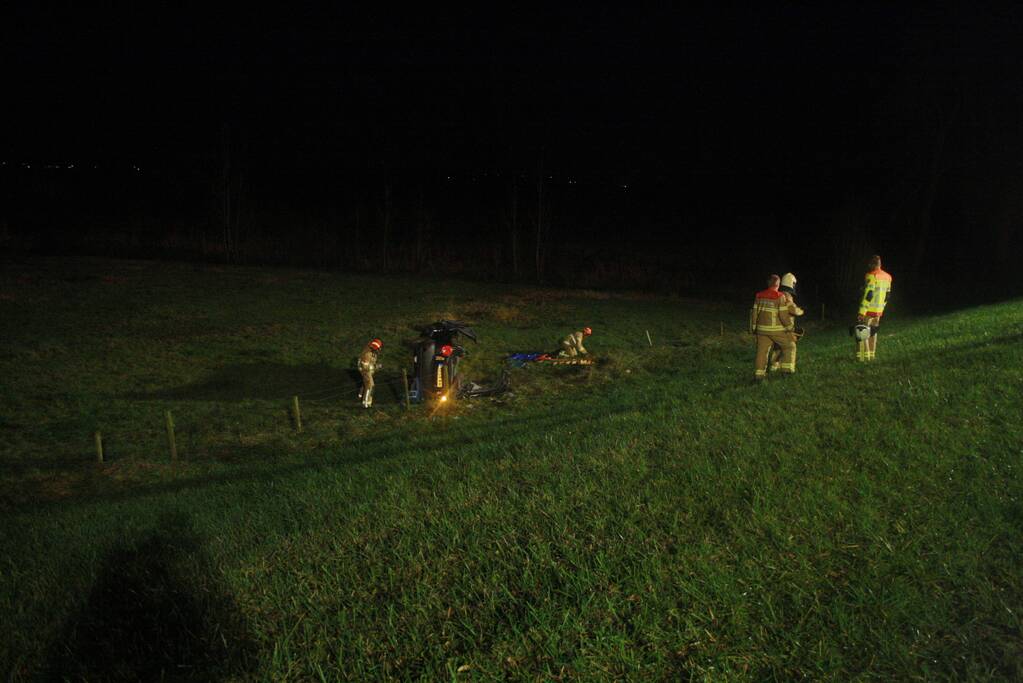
x=790 y=106
x=616 y=89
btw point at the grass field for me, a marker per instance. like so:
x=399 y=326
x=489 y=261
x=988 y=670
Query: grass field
x=656 y=518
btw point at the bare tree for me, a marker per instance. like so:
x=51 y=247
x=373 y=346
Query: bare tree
x=539 y=219
x=422 y=223
x=945 y=118
x=386 y=228
x=229 y=187
x=850 y=242
x=225 y=188
x=1007 y=219
x=356 y=254
x=514 y=224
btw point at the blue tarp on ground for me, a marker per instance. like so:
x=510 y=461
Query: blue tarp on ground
x=518 y=360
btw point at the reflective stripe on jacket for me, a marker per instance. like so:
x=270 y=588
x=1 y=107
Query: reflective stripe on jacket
x=876 y=288
x=575 y=341
x=368 y=359
x=764 y=314
x=788 y=311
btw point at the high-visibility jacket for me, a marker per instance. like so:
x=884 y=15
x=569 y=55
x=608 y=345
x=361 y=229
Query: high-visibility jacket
x=788 y=311
x=573 y=343
x=368 y=360
x=764 y=315
x=876 y=288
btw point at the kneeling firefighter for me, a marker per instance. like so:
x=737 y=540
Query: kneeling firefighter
x=787 y=314
x=572 y=345
x=368 y=364
x=766 y=324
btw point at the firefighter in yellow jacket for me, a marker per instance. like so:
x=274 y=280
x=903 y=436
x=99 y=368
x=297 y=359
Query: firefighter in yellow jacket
x=787 y=314
x=877 y=288
x=767 y=325
x=368 y=364
x=572 y=345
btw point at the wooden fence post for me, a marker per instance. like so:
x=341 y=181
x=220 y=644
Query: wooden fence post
x=404 y=381
x=296 y=413
x=170 y=437
x=99 y=447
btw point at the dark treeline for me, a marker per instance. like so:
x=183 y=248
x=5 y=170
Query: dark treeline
x=688 y=234
x=539 y=153
x=530 y=227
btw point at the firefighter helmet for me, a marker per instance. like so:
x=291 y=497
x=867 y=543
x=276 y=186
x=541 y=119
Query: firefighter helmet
x=587 y=331
x=376 y=345
x=861 y=331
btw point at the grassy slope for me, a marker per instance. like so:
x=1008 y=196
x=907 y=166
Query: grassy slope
x=660 y=519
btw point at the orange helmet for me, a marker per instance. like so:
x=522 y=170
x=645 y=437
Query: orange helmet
x=376 y=345
x=587 y=331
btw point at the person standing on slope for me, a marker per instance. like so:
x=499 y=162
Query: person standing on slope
x=877 y=289
x=766 y=324
x=787 y=314
x=368 y=364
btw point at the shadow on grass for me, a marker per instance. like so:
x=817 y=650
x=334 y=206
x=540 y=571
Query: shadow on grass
x=157 y=611
x=261 y=381
x=269 y=381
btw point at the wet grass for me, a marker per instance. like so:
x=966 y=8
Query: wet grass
x=655 y=518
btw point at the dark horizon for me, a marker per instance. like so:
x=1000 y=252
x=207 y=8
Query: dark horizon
x=729 y=134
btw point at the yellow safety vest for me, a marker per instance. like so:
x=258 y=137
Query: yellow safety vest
x=875 y=293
